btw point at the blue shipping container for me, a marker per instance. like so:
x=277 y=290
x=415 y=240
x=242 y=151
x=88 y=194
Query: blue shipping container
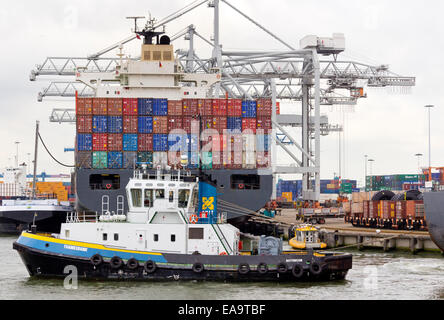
x=84 y=142
x=262 y=143
x=115 y=124
x=177 y=142
x=249 y=109
x=160 y=142
x=115 y=160
x=234 y=123
x=129 y=160
x=145 y=106
x=160 y=107
x=130 y=142
x=145 y=124
x=100 y=124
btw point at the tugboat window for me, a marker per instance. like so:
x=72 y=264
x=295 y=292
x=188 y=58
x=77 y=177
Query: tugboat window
x=196 y=233
x=156 y=238
x=160 y=194
x=245 y=181
x=148 y=200
x=104 y=182
x=184 y=196
x=105 y=236
x=173 y=238
x=116 y=237
x=136 y=195
x=171 y=197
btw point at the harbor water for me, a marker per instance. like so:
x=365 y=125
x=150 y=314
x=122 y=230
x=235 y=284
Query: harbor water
x=375 y=276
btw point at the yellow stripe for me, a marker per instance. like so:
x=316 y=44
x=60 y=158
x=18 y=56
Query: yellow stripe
x=82 y=244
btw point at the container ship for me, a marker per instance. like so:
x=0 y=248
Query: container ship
x=150 y=114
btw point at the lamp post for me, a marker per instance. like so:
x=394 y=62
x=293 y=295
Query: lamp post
x=371 y=166
x=365 y=176
x=17 y=153
x=430 y=148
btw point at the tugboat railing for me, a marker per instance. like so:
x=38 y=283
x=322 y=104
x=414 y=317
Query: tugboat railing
x=73 y=217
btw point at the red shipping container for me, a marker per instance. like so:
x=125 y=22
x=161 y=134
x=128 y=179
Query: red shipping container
x=234 y=107
x=207 y=123
x=249 y=124
x=115 y=142
x=219 y=107
x=114 y=107
x=366 y=209
x=129 y=107
x=190 y=107
x=145 y=142
x=233 y=160
x=205 y=107
x=388 y=209
x=278 y=108
x=401 y=212
x=191 y=125
x=84 y=124
x=174 y=160
x=175 y=108
x=100 y=142
x=220 y=124
x=160 y=125
x=130 y=124
x=175 y=122
x=84 y=106
x=264 y=123
x=232 y=143
x=218 y=159
x=411 y=208
x=263 y=159
x=264 y=107
x=373 y=209
x=100 y=106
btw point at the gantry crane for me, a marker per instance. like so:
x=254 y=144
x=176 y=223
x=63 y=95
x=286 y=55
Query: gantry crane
x=312 y=75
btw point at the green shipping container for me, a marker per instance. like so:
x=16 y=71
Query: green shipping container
x=145 y=158
x=100 y=160
x=207 y=160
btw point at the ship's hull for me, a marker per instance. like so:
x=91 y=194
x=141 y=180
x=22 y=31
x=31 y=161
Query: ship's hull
x=253 y=199
x=434 y=211
x=47 y=259
x=15 y=221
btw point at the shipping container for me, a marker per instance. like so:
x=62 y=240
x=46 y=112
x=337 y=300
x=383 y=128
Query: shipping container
x=115 y=142
x=192 y=160
x=232 y=142
x=191 y=125
x=160 y=159
x=84 y=124
x=219 y=107
x=374 y=209
x=145 y=106
x=190 y=107
x=130 y=142
x=366 y=209
x=192 y=142
x=249 y=160
x=130 y=106
x=145 y=158
x=263 y=143
x=411 y=209
x=263 y=160
x=233 y=160
x=219 y=124
x=264 y=108
x=178 y=142
x=234 y=107
x=115 y=124
x=83 y=159
x=130 y=124
x=115 y=160
x=145 y=142
x=264 y=124
x=249 y=109
x=100 y=124
x=234 y=123
x=100 y=142
x=388 y=209
x=401 y=210
x=249 y=142
x=175 y=108
x=129 y=160
x=206 y=160
x=249 y=125
x=115 y=106
x=160 y=143
x=84 y=142
x=160 y=107
x=174 y=122
x=160 y=124
x=84 y=106
x=100 y=106
x=99 y=160
x=205 y=107
x=145 y=124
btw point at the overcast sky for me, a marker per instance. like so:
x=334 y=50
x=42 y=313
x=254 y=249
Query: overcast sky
x=389 y=126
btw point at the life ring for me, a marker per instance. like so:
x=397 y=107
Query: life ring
x=282 y=267
x=108 y=186
x=241 y=186
x=223 y=253
x=194 y=219
x=132 y=264
x=116 y=262
x=297 y=271
x=96 y=260
x=243 y=268
x=198 y=267
x=150 y=266
x=262 y=268
x=315 y=268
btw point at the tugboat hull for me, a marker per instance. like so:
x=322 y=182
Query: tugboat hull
x=49 y=257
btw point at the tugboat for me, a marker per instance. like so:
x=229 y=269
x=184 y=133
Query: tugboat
x=307 y=237
x=172 y=231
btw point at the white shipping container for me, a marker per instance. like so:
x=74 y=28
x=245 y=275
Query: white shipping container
x=249 y=160
x=160 y=159
x=10 y=190
x=249 y=142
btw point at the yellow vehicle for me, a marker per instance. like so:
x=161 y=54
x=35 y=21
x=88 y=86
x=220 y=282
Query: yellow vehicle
x=307 y=237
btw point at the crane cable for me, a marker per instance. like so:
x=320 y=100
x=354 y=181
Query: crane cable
x=44 y=145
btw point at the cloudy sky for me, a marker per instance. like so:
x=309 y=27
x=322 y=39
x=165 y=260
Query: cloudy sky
x=389 y=126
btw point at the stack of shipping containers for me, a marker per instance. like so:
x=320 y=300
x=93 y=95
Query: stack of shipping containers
x=292 y=189
x=115 y=133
